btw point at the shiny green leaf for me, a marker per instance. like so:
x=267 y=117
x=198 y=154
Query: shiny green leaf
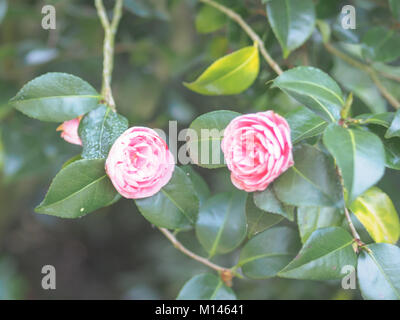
x=206 y=286
x=292 y=21
x=314 y=89
x=383 y=119
x=175 y=206
x=268 y=252
x=310 y=219
x=78 y=189
x=221 y=225
x=304 y=124
x=204 y=138
x=378 y=272
x=267 y=200
x=360 y=156
x=377 y=213
x=323 y=256
x=312 y=181
x=258 y=220
x=231 y=74
x=56 y=97
x=98 y=130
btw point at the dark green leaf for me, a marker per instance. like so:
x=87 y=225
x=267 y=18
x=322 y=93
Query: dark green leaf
x=201 y=187
x=314 y=89
x=310 y=219
x=379 y=272
x=394 y=129
x=231 y=74
x=175 y=206
x=267 y=200
x=312 y=181
x=304 y=124
x=383 y=119
x=323 y=256
x=292 y=21
x=206 y=286
x=381 y=44
x=56 y=97
x=268 y=252
x=98 y=130
x=204 y=138
x=221 y=225
x=357 y=152
x=258 y=220
x=78 y=189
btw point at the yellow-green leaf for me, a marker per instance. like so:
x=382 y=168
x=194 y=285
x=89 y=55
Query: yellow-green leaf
x=231 y=74
x=376 y=212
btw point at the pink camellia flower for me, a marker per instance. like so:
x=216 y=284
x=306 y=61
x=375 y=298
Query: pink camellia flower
x=69 y=131
x=257 y=149
x=139 y=163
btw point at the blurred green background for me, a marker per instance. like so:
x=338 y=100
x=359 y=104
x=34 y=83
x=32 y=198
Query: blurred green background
x=115 y=253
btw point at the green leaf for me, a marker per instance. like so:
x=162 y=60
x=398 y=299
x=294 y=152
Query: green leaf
x=378 y=272
x=359 y=82
x=98 y=130
x=258 y=220
x=323 y=256
x=56 y=97
x=312 y=181
x=267 y=200
x=381 y=45
x=209 y=19
x=206 y=286
x=231 y=74
x=201 y=187
x=292 y=21
x=383 y=119
x=360 y=156
x=221 y=225
x=376 y=212
x=175 y=206
x=394 y=129
x=78 y=189
x=71 y=160
x=310 y=219
x=268 y=252
x=304 y=124
x=204 y=138
x=314 y=89
x=395 y=7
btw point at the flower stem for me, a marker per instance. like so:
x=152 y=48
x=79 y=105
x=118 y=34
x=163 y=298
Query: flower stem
x=224 y=272
x=110 y=29
x=254 y=36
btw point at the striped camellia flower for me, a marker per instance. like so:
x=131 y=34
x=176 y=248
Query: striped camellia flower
x=257 y=149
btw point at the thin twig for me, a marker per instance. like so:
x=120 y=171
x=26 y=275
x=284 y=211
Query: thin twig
x=254 y=36
x=110 y=30
x=189 y=253
x=369 y=70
